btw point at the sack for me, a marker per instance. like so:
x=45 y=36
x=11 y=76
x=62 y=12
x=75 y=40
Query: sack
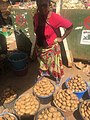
x=23 y=42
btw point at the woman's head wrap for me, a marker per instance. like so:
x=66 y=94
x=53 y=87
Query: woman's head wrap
x=37 y=1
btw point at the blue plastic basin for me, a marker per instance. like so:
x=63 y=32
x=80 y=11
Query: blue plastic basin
x=79 y=94
x=18 y=60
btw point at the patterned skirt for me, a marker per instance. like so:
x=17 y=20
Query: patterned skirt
x=50 y=60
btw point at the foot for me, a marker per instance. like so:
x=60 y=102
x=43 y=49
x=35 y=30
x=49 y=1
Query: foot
x=58 y=85
x=45 y=74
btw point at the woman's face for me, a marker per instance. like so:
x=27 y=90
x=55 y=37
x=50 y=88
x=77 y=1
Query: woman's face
x=43 y=6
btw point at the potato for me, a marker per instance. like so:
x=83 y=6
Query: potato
x=52 y=109
x=64 y=103
x=63 y=107
x=50 y=115
x=69 y=104
x=68 y=97
x=49 y=119
x=68 y=108
x=72 y=108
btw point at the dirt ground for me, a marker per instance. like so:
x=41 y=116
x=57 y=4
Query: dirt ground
x=23 y=84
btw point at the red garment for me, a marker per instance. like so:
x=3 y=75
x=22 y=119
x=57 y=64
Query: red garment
x=56 y=21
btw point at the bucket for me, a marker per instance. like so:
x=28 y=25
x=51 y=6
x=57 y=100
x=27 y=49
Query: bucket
x=48 y=107
x=83 y=112
x=66 y=113
x=6 y=114
x=79 y=94
x=61 y=101
x=18 y=60
x=24 y=101
x=21 y=72
x=44 y=99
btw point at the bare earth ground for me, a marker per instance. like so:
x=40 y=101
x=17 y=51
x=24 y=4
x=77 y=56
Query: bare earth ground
x=25 y=83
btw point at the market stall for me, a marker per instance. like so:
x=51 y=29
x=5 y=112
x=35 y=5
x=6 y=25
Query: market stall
x=44 y=101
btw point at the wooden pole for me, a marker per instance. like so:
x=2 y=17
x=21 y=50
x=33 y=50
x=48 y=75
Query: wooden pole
x=68 y=52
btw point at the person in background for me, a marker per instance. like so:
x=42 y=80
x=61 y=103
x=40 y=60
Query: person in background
x=2 y=21
x=48 y=37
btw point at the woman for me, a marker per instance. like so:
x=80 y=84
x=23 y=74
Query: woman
x=48 y=37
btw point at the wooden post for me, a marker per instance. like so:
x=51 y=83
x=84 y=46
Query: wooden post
x=58 y=5
x=68 y=52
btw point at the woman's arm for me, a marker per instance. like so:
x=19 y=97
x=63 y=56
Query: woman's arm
x=67 y=32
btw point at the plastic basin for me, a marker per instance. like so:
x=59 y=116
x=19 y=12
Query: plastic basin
x=36 y=117
x=18 y=60
x=7 y=113
x=25 y=116
x=45 y=99
x=79 y=94
x=21 y=72
x=80 y=109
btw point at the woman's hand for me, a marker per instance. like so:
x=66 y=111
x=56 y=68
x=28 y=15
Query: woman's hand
x=58 y=39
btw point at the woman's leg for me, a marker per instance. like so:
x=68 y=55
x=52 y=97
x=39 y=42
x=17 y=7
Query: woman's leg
x=56 y=67
x=51 y=62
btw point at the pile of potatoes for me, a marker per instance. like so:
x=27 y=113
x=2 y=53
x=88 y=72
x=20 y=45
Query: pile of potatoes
x=85 y=109
x=66 y=100
x=77 y=84
x=8 y=95
x=44 y=87
x=50 y=113
x=26 y=105
x=9 y=117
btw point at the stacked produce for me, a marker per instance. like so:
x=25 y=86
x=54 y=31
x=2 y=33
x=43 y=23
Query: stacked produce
x=8 y=117
x=26 y=105
x=50 y=113
x=67 y=4
x=44 y=87
x=8 y=95
x=85 y=110
x=76 y=84
x=66 y=100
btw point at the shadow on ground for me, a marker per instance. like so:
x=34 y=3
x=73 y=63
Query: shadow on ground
x=20 y=83
x=77 y=115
